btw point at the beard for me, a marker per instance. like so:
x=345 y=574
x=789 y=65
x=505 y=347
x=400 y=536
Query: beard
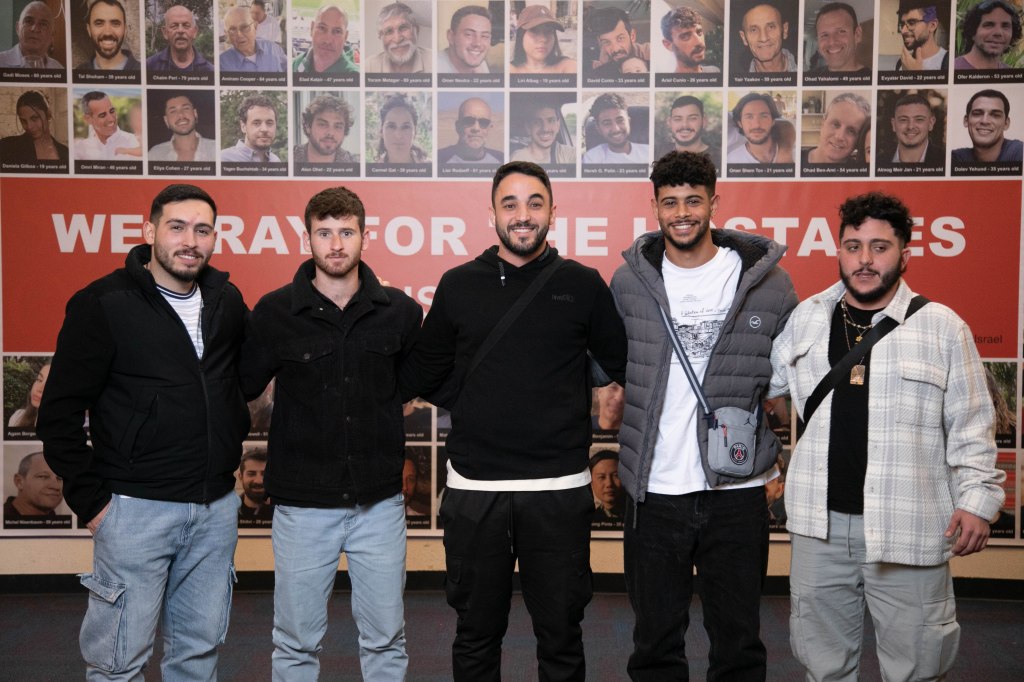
x=693 y=241
x=182 y=274
x=519 y=247
x=335 y=267
x=888 y=280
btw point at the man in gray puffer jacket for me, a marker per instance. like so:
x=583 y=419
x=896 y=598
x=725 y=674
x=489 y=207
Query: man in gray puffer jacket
x=727 y=299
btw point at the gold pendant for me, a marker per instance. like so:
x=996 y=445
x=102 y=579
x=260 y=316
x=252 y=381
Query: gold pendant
x=857 y=375
x=857 y=340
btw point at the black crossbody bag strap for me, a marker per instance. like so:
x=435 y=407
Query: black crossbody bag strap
x=513 y=313
x=843 y=367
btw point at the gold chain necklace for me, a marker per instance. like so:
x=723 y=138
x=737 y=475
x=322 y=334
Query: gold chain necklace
x=858 y=371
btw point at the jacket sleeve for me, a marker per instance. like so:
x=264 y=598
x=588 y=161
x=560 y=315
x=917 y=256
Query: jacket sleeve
x=432 y=357
x=969 y=421
x=257 y=363
x=78 y=375
x=607 y=341
x=782 y=340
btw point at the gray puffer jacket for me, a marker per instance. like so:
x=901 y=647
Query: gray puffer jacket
x=739 y=369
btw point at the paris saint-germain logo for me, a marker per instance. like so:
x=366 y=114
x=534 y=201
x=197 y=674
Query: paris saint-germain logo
x=738 y=453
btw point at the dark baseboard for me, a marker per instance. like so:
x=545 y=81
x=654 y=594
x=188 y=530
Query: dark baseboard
x=605 y=583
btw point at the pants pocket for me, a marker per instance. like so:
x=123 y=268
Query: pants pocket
x=104 y=634
x=939 y=640
x=455 y=592
x=581 y=586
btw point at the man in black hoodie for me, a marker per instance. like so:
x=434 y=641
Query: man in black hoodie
x=518 y=484
x=151 y=353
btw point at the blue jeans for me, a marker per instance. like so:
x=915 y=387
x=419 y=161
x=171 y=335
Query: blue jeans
x=152 y=558
x=724 y=535
x=308 y=543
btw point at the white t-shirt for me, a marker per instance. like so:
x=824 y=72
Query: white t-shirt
x=190 y=309
x=699 y=300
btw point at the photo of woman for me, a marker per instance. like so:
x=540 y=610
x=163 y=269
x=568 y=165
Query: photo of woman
x=398 y=121
x=536 y=49
x=37 y=142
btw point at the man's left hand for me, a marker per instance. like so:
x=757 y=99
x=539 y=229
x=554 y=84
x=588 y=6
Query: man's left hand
x=974 y=532
x=910 y=62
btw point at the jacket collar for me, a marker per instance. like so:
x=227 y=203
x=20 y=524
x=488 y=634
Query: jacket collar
x=897 y=308
x=304 y=296
x=753 y=250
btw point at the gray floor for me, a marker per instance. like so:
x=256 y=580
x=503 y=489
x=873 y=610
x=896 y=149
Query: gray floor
x=38 y=640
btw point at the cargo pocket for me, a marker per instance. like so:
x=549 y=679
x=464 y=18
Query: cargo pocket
x=939 y=640
x=456 y=594
x=104 y=632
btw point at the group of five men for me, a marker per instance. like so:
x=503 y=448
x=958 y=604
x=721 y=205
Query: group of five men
x=162 y=354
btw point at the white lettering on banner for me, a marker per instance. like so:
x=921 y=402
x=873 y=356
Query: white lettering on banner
x=584 y=235
x=407 y=236
x=423 y=295
x=79 y=228
x=119 y=233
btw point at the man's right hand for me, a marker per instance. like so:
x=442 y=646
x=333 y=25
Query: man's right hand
x=98 y=519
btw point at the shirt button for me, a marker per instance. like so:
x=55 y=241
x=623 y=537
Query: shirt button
x=305 y=356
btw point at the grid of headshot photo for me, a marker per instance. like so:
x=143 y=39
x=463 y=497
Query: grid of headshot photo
x=441 y=93
x=447 y=89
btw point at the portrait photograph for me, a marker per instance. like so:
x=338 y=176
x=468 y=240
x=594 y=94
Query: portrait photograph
x=256 y=509
x=324 y=42
x=108 y=130
x=985 y=133
x=1004 y=525
x=399 y=135
x=616 y=134
x=764 y=42
x=988 y=42
x=471 y=43
x=181 y=131
x=609 y=495
x=36 y=41
x=835 y=133
x=416 y=489
x=542 y=129
x=253 y=132
x=761 y=133
x=327 y=126
x=911 y=132
x=470 y=133
x=838 y=44
x=399 y=43
x=913 y=41
x=180 y=44
x=688 y=120
x=615 y=44
x=24 y=380
x=1001 y=379
x=250 y=35
x=688 y=42
x=34 y=131
x=33 y=494
x=106 y=41
x=544 y=46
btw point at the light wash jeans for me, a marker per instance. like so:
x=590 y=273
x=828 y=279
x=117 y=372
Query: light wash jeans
x=308 y=543
x=912 y=607
x=167 y=560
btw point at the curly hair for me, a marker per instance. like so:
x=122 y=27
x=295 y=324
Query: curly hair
x=884 y=207
x=684 y=168
x=972 y=20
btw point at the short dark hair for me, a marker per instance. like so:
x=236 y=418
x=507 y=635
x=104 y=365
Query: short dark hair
x=398 y=101
x=522 y=168
x=836 y=7
x=684 y=168
x=335 y=202
x=463 y=12
x=994 y=94
x=608 y=100
x=255 y=101
x=112 y=3
x=687 y=100
x=173 y=194
x=912 y=98
x=88 y=98
x=602 y=455
x=928 y=12
x=972 y=20
x=737 y=111
x=262 y=4
x=606 y=19
x=256 y=454
x=322 y=103
x=680 y=17
x=884 y=207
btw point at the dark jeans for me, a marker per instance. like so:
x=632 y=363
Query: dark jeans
x=724 y=534
x=549 y=533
